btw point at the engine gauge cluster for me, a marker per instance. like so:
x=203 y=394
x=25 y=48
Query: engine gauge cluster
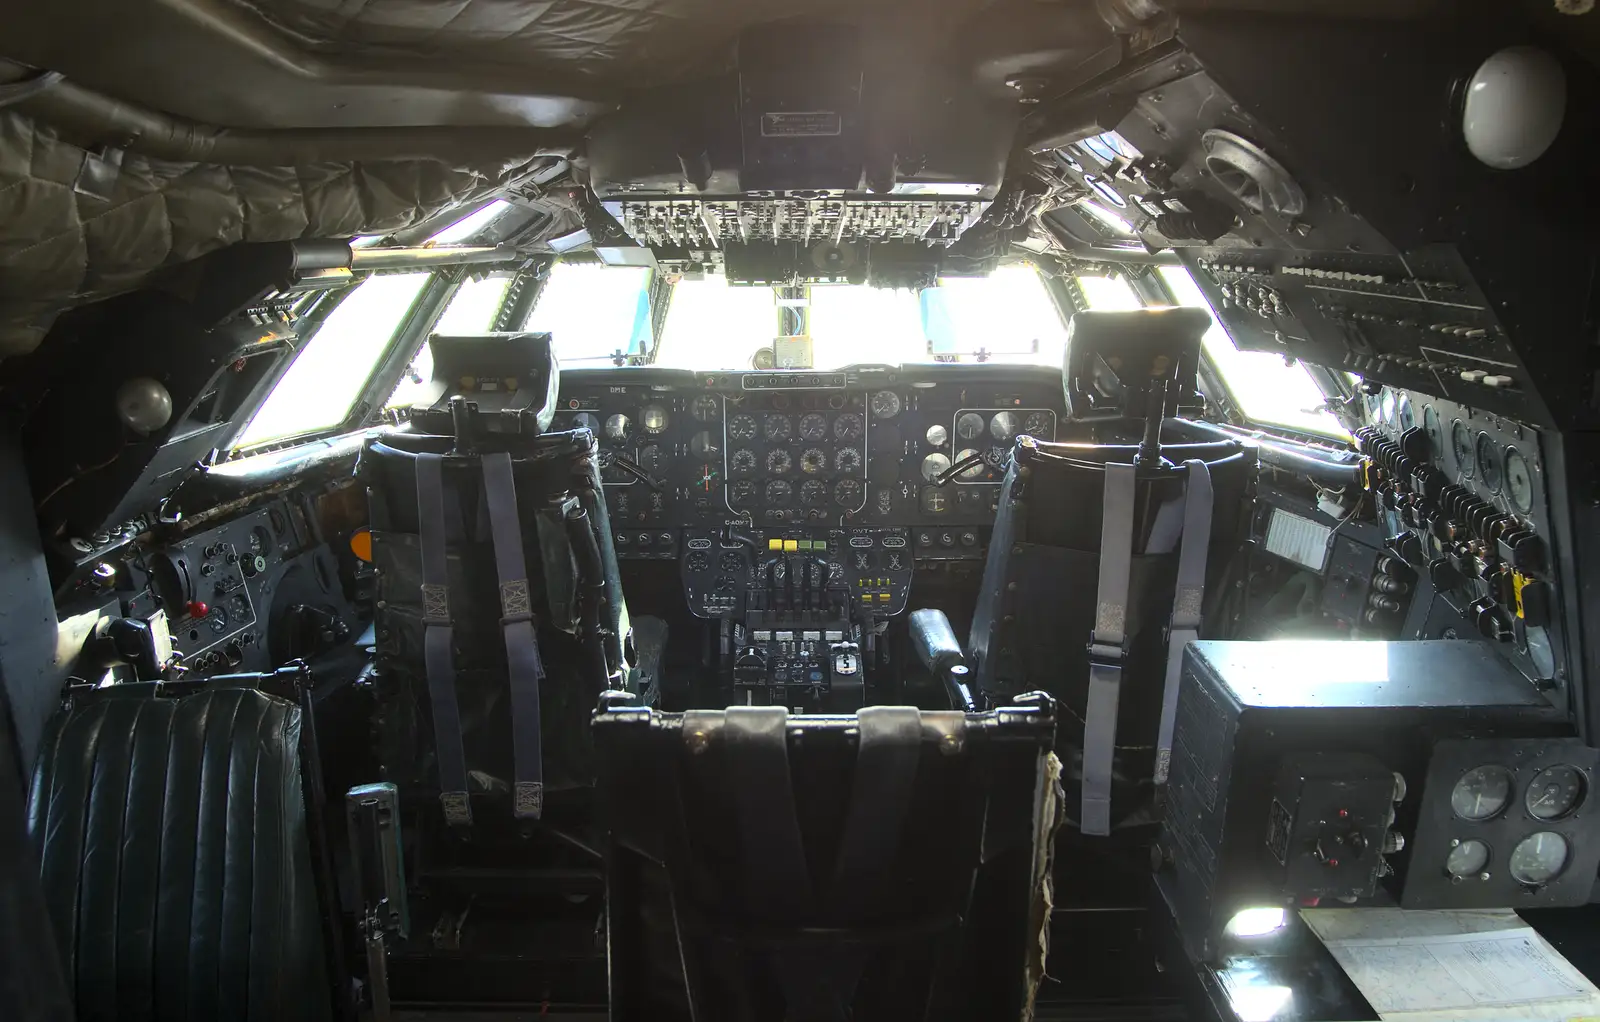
x=984 y=437
x=799 y=456
x=1505 y=822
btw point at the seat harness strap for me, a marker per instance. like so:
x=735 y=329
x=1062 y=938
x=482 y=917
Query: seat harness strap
x=1186 y=601
x=438 y=637
x=525 y=669
x=1107 y=648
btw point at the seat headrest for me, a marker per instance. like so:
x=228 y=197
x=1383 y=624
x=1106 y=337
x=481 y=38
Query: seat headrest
x=511 y=377
x=1113 y=359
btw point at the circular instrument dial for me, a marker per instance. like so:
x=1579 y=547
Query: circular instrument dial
x=813 y=426
x=778 y=491
x=779 y=462
x=1386 y=407
x=586 y=420
x=707 y=479
x=1538 y=858
x=1481 y=793
x=1467 y=858
x=742 y=493
x=653 y=459
x=1555 y=792
x=1519 y=480
x=611 y=472
x=970 y=426
x=1404 y=416
x=1461 y=450
x=812 y=461
x=847 y=493
x=813 y=492
x=742 y=462
x=934 y=501
x=777 y=427
x=1433 y=430
x=1003 y=426
x=653 y=418
x=743 y=427
x=934 y=465
x=847 y=461
x=885 y=404
x=937 y=436
x=848 y=426
x=705 y=445
x=618 y=426
x=704 y=408
x=1040 y=425
x=973 y=471
x=1490 y=468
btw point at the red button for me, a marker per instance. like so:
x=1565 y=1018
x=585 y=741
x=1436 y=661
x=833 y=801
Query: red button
x=198 y=608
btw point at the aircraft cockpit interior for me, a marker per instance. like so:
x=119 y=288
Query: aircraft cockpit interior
x=718 y=512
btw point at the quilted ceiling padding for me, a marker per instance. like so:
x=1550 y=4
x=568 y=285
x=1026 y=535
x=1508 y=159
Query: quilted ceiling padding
x=79 y=227
x=629 y=43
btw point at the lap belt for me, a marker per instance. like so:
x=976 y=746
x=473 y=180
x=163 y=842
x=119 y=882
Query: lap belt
x=437 y=641
x=524 y=668
x=1106 y=648
x=1186 y=601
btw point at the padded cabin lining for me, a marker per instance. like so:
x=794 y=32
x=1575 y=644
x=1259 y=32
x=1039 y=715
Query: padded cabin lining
x=82 y=225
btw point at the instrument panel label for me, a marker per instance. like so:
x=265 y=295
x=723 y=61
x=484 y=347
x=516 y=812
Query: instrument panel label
x=801 y=124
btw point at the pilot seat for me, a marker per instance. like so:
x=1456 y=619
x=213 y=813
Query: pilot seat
x=499 y=610
x=1104 y=560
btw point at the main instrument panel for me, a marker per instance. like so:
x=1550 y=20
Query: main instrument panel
x=922 y=448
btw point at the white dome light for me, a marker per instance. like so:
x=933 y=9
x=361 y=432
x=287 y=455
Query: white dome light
x=1514 y=107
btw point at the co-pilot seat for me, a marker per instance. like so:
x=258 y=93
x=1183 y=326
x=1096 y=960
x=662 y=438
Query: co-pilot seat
x=499 y=609
x=1103 y=561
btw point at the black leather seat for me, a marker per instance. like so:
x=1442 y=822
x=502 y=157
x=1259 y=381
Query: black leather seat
x=1044 y=600
x=1036 y=606
x=527 y=615
x=173 y=849
x=569 y=578
x=892 y=864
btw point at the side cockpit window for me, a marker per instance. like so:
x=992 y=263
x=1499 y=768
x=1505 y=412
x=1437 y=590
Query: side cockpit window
x=333 y=365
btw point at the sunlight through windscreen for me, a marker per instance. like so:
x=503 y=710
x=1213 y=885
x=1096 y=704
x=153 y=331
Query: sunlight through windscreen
x=852 y=324
x=1008 y=315
x=593 y=311
x=1267 y=390
x=471 y=311
x=471 y=224
x=1005 y=317
x=331 y=369
x=712 y=324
